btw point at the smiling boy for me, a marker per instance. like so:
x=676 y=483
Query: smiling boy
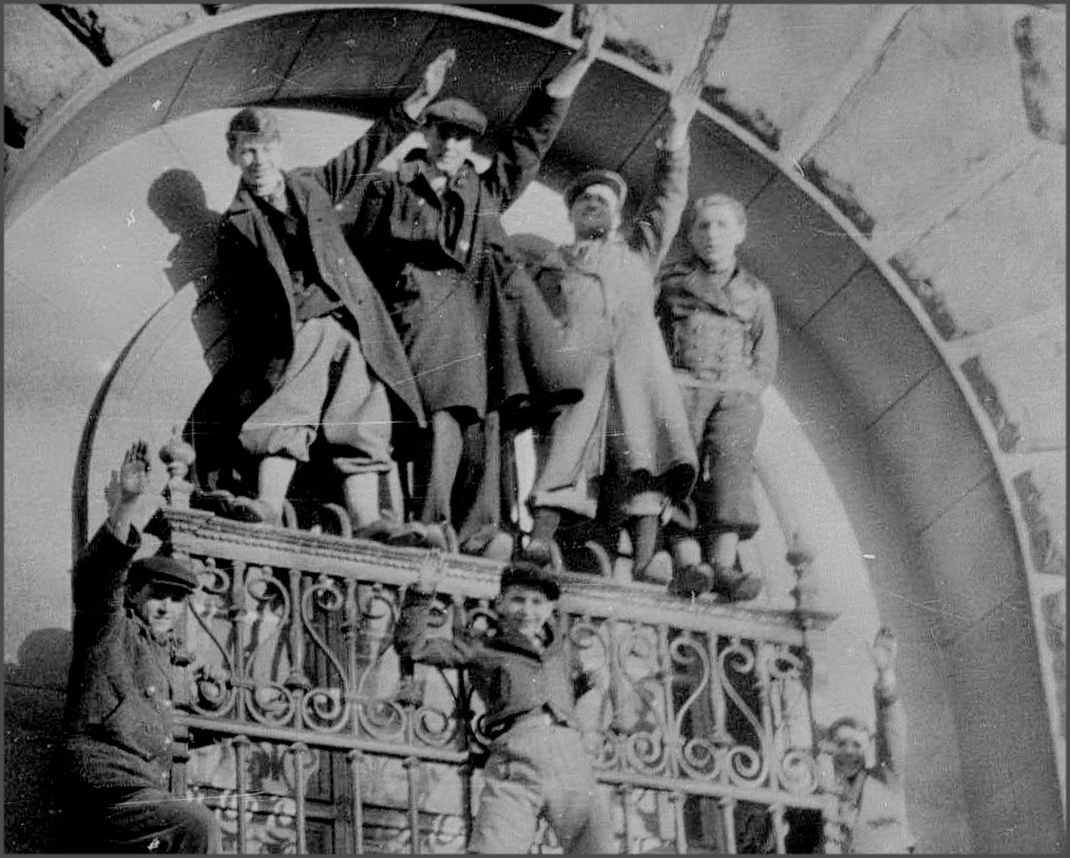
x=529 y=682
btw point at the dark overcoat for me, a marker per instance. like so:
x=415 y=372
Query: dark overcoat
x=118 y=718
x=475 y=328
x=255 y=286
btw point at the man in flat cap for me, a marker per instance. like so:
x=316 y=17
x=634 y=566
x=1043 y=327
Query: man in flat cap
x=316 y=360
x=623 y=452
x=117 y=752
x=480 y=340
x=529 y=681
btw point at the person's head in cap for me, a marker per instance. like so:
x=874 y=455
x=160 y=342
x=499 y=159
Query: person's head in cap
x=451 y=128
x=715 y=226
x=529 y=594
x=595 y=201
x=254 y=145
x=157 y=589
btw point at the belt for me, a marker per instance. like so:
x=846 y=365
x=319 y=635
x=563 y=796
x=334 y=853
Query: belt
x=540 y=716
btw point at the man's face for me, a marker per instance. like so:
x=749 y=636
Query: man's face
x=595 y=212
x=159 y=606
x=715 y=235
x=260 y=160
x=849 y=754
x=524 y=609
x=448 y=146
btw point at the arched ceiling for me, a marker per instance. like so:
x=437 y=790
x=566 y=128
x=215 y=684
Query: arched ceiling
x=861 y=222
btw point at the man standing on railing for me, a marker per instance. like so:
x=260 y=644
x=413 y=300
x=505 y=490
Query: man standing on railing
x=116 y=756
x=524 y=674
x=720 y=329
x=872 y=802
x=315 y=358
x=481 y=342
x=624 y=450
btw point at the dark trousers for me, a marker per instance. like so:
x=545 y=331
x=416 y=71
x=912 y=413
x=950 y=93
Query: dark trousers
x=141 y=820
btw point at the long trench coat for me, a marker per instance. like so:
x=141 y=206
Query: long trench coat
x=255 y=283
x=605 y=293
x=475 y=328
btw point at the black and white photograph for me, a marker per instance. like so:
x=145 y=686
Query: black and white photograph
x=534 y=428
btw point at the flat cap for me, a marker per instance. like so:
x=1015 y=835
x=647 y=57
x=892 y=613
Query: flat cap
x=596 y=177
x=162 y=570
x=457 y=111
x=521 y=573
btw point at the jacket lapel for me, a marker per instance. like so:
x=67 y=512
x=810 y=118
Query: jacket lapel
x=251 y=222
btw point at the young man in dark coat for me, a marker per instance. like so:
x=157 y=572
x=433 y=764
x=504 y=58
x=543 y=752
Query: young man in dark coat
x=315 y=356
x=117 y=753
x=529 y=682
x=477 y=334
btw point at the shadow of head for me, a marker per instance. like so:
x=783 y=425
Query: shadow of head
x=178 y=199
x=44 y=659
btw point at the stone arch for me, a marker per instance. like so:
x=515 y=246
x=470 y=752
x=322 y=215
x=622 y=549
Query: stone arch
x=962 y=519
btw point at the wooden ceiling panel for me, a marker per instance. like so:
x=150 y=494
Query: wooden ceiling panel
x=244 y=64
x=354 y=55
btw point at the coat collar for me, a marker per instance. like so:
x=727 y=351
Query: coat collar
x=416 y=169
x=691 y=279
x=245 y=202
x=515 y=642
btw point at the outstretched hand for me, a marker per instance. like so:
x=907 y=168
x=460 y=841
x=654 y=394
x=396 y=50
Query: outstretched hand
x=432 y=571
x=430 y=84
x=564 y=83
x=884 y=649
x=685 y=101
x=132 y=479
x=597 y=26
x=435 y=73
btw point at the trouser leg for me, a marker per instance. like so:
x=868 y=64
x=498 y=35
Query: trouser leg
x=508 y=809
x=445 y=459
x=576 y=806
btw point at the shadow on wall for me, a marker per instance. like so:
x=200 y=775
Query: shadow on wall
x=33 y=716
x=178 y=199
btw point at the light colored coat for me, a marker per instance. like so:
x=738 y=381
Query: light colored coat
x=873 y=810
x=604 y=292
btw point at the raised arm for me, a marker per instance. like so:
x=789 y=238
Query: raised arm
x=520 y=148
x=412 y=638
x=661 y=215
x=891 y=717
x=99 y=573
x=340 y=175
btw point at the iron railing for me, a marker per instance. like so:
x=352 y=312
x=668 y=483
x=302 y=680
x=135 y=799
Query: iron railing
x=697 y=716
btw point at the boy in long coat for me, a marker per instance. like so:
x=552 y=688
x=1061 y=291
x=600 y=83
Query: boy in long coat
x=480 y=340
x=315 y=356
x=628 y=437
